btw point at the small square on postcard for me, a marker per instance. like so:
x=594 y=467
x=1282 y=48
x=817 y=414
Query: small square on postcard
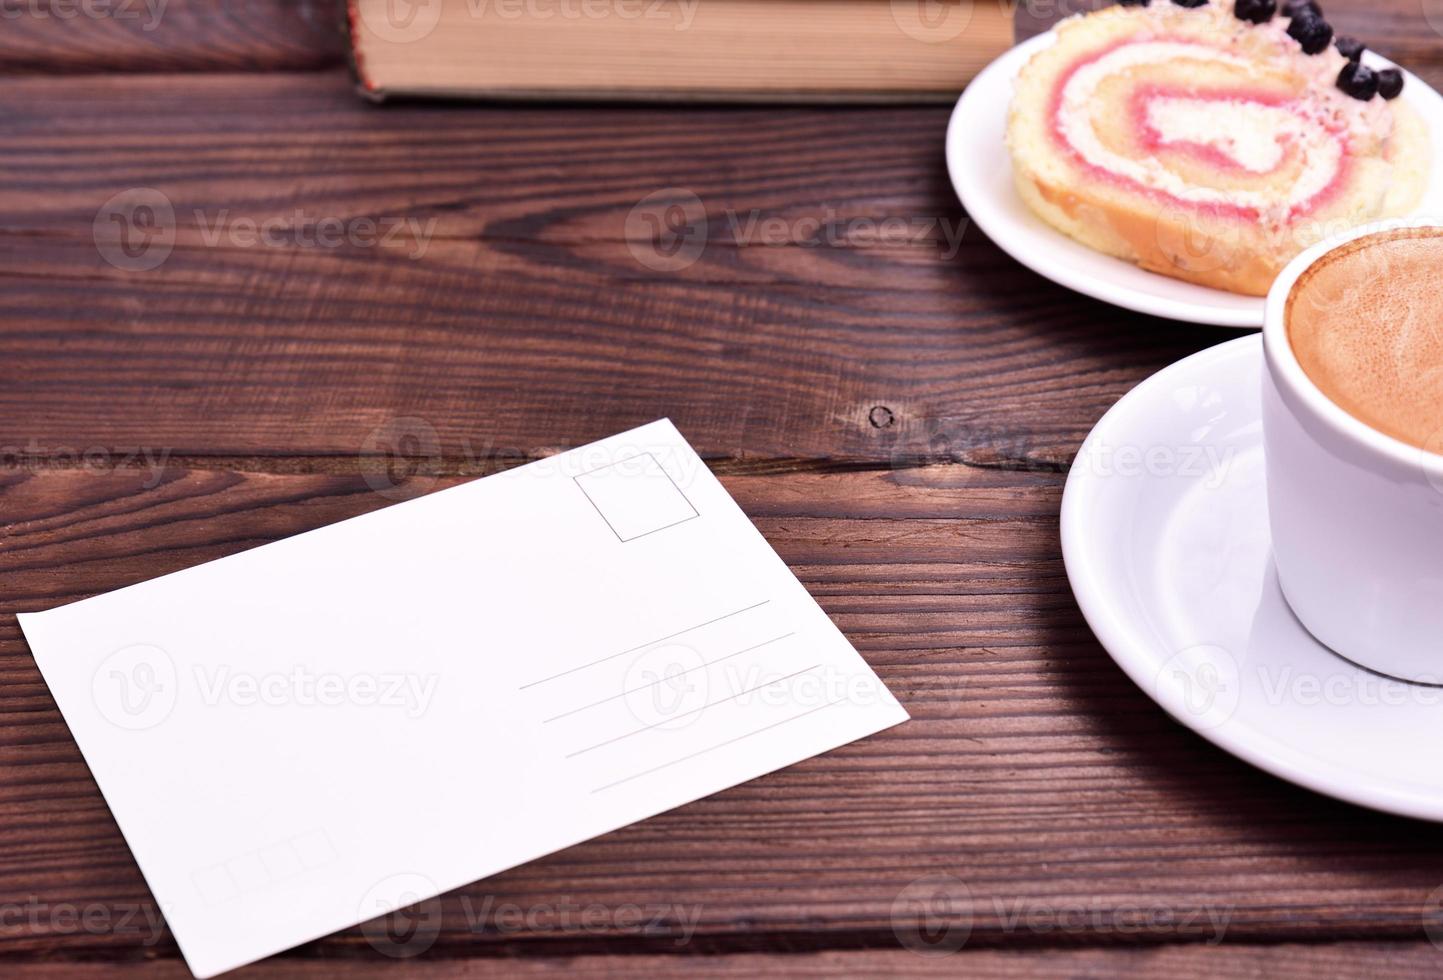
x=635 y=496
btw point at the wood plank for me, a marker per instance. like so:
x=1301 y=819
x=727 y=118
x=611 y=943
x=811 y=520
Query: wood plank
x=271 y=377
x=1402 y=961
x=83 y=36
x=528 y=322
x=1036 y=786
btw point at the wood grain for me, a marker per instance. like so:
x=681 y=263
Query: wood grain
x=85 y=36
x=895 y=414
x=528 y=322
x=1403 y=961
x=527 y=315
x=1056 y=802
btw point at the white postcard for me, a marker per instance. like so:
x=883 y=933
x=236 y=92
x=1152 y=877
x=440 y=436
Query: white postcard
x=315 y=732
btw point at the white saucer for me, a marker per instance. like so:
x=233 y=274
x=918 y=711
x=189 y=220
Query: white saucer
x=981 y=172
x=1165 y=539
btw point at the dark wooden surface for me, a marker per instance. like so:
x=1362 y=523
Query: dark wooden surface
x=895 y=417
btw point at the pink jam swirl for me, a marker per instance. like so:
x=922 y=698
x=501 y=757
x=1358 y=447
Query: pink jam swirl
x=1151 y=139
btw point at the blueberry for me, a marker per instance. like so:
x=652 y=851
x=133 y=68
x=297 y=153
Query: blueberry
x=1296 y=8
x=1390 y=83
x=1190 y=3
x=1359 y=81
x=1311 y=32
x=1350 y=47
x=1257 y=11
x=1133 y=3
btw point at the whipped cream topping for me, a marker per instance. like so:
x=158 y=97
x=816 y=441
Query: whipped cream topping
x=1253 y=134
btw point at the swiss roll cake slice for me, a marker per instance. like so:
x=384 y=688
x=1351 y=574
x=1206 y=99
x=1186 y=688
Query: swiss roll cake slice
x=1207 y=143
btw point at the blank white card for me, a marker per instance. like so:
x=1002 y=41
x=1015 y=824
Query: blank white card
x=307 y=735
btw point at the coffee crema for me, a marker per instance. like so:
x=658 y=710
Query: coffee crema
x=1366 y=323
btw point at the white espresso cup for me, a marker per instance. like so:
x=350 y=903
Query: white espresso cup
x=1356 y=515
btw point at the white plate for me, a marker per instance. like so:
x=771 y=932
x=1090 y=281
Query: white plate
x=981 y=172
x=1165 y=539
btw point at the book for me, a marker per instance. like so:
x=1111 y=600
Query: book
x=710 y=50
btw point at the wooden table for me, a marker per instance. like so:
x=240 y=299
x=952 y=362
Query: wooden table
x=896 y=415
